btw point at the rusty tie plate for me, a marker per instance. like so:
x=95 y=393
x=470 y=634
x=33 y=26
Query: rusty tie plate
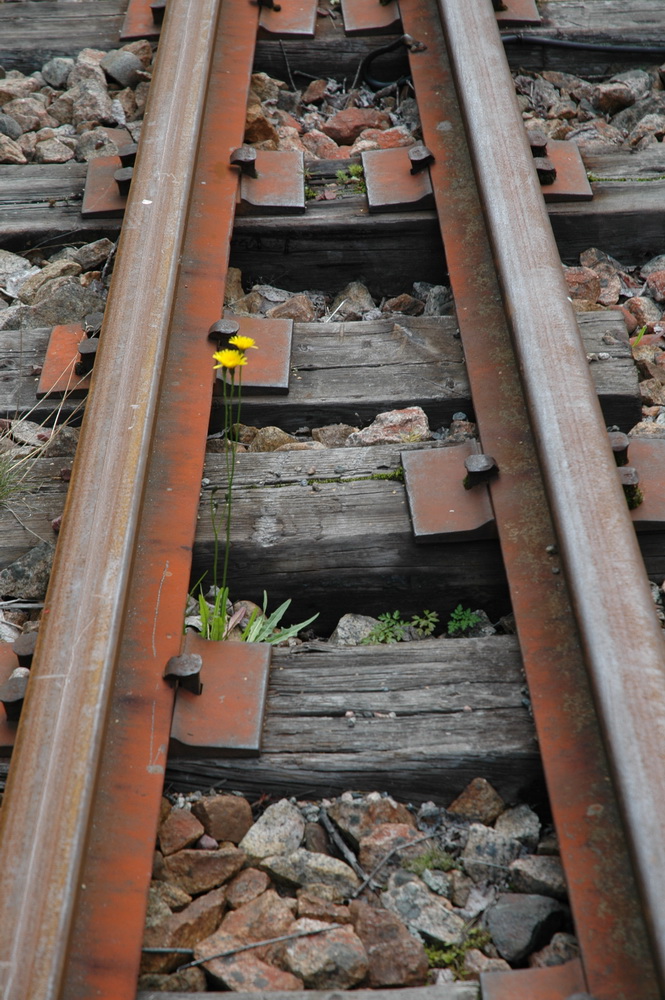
x=603 y=895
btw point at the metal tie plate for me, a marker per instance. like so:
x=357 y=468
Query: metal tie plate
x=571 y=182
x=139 y=22
x=289 y=19
x=268 y=367
x=278 y=187
x=518 y=12
x=557 y=982
x=8 y=663
x=58 y=377
x=441 y=509
x=227 y=717
x=391 y=184
x=363 y=18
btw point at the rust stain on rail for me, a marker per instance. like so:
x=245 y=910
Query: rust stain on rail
x=603 y=895
x=110 y=917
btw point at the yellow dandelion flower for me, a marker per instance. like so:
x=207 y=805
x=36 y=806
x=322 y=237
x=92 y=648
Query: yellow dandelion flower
x=229 y=359
x=243 y=343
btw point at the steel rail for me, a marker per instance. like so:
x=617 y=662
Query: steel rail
x=621 y=637
x=56 y=761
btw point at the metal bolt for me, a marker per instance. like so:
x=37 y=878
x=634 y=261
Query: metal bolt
x=245 y=158
x=128 y=153
x=24 y=647
x=420 y=157
x=223 y=330
x=537 y=142
x=12 y=693
x=92 y=324
x=545 y=169
x=619 y=444
x=185 y=670
x=479 y=469
x=629 y=478
x=158 y=7
x=123 y=178
x=87 y=349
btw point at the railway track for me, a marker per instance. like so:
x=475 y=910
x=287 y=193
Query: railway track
x=113 y=612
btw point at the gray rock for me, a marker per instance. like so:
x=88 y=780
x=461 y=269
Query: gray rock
x=629 y=117
x=29 y=113
x=91 y=103
x=488 y=854
x=562 y=948
x=53 y=151
x=94 y=255
x=69 y=303
x=351 y=302
x=93 y=143
x=302 y=867
x=651 y=127
x=335 y=960
x=86 y=73
x=123 y=67
x=278 y=831
x=27 y=578
x=393 y=427
x=352 y=629
x=10 y=151
x=477 y=901
x=421 y=289
x=62 y=443
x=9 y=127
x=10 y=318
x=333 y=435
x=520 y=924
x=439 y=882
x=654 y=264
x=476 y=963
x=539 y=874
x=408 y=112
x=424 y=913
x=638 y=82
x=57 y=269
x=13 y=268
x=396 y=957
x=520 y=823
x=359 y=816
x=56 y=71
x=439 y=301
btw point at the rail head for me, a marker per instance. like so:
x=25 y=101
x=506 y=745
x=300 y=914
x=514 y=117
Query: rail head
x=602 y=562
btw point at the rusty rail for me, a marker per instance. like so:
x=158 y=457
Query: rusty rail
x=64 y=721
x=604 y=568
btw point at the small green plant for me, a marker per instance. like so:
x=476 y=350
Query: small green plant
x=391 y=627
x=354 y=178
x=452 y=957
x=434 y=858
x=461 y=620
x=263 y=627
x=217 y=623
x=638 y=337
x=310 y=193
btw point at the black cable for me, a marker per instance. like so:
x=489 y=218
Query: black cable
x=565 y=43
